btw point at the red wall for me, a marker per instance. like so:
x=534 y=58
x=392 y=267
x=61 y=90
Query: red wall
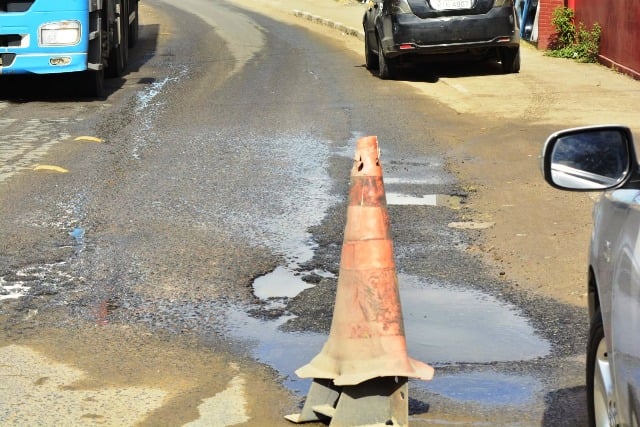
x=620 y=22
x=546 y=30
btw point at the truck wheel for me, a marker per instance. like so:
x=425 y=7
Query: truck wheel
x=134 y=26
x=119 y=55
x=92 y=83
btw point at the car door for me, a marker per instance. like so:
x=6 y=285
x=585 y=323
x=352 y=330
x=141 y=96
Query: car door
x=625 y=305
x=604 y=158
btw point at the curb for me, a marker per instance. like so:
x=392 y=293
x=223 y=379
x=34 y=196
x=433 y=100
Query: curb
x=329 y=23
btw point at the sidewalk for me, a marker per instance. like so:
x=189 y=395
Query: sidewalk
x=344 y=16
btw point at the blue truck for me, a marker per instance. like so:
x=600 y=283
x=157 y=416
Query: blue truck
x=88 y=37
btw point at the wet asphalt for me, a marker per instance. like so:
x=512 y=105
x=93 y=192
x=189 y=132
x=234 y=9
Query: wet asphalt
x=213 y=174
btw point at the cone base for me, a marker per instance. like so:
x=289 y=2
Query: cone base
x=377 y=402
x=356 y=371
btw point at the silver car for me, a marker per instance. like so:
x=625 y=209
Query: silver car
x=603 y=158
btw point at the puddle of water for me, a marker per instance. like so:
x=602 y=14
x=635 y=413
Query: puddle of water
x=486 y=387
x=280 y=283
x=284 y=351
x=443 y=326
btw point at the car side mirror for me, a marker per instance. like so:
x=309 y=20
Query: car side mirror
x=593 y=158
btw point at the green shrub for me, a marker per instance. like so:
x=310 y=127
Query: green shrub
x=578 y=43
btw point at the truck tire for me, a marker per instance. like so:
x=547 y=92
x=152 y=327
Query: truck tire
x=119 y=55
x=92 y=80
x=93 y=83
x=510 y=59
x=134 y=26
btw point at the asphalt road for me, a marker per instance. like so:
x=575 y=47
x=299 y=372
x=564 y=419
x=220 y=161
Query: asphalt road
x=224 y=155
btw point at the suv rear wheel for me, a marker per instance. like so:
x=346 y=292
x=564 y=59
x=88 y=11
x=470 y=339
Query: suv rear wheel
x=371 y=59
x=385 y=66
x=510 y=59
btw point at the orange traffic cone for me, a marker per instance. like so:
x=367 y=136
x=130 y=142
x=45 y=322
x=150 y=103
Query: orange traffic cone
x=366 y=347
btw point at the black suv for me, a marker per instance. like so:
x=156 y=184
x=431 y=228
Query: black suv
x=398 y=31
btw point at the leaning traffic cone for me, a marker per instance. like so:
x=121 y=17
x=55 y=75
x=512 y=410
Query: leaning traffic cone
x=360 y=375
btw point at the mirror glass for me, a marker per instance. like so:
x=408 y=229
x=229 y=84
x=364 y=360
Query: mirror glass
x=590 y=160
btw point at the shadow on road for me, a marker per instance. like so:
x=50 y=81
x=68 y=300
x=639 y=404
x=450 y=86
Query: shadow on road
x=569 y=405
x=431 y=72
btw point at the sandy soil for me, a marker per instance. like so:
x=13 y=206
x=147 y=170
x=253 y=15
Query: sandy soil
x=540 y=236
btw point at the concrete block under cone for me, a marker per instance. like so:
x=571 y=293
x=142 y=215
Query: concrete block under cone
x=367 y=337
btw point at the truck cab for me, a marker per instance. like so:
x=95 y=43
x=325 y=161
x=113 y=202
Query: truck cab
x=88 y=37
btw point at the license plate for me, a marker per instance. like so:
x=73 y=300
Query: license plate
x=451 y=4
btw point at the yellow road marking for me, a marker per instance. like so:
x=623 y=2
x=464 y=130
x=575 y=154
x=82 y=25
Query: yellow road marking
x=50 y=168
x=89 y=139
